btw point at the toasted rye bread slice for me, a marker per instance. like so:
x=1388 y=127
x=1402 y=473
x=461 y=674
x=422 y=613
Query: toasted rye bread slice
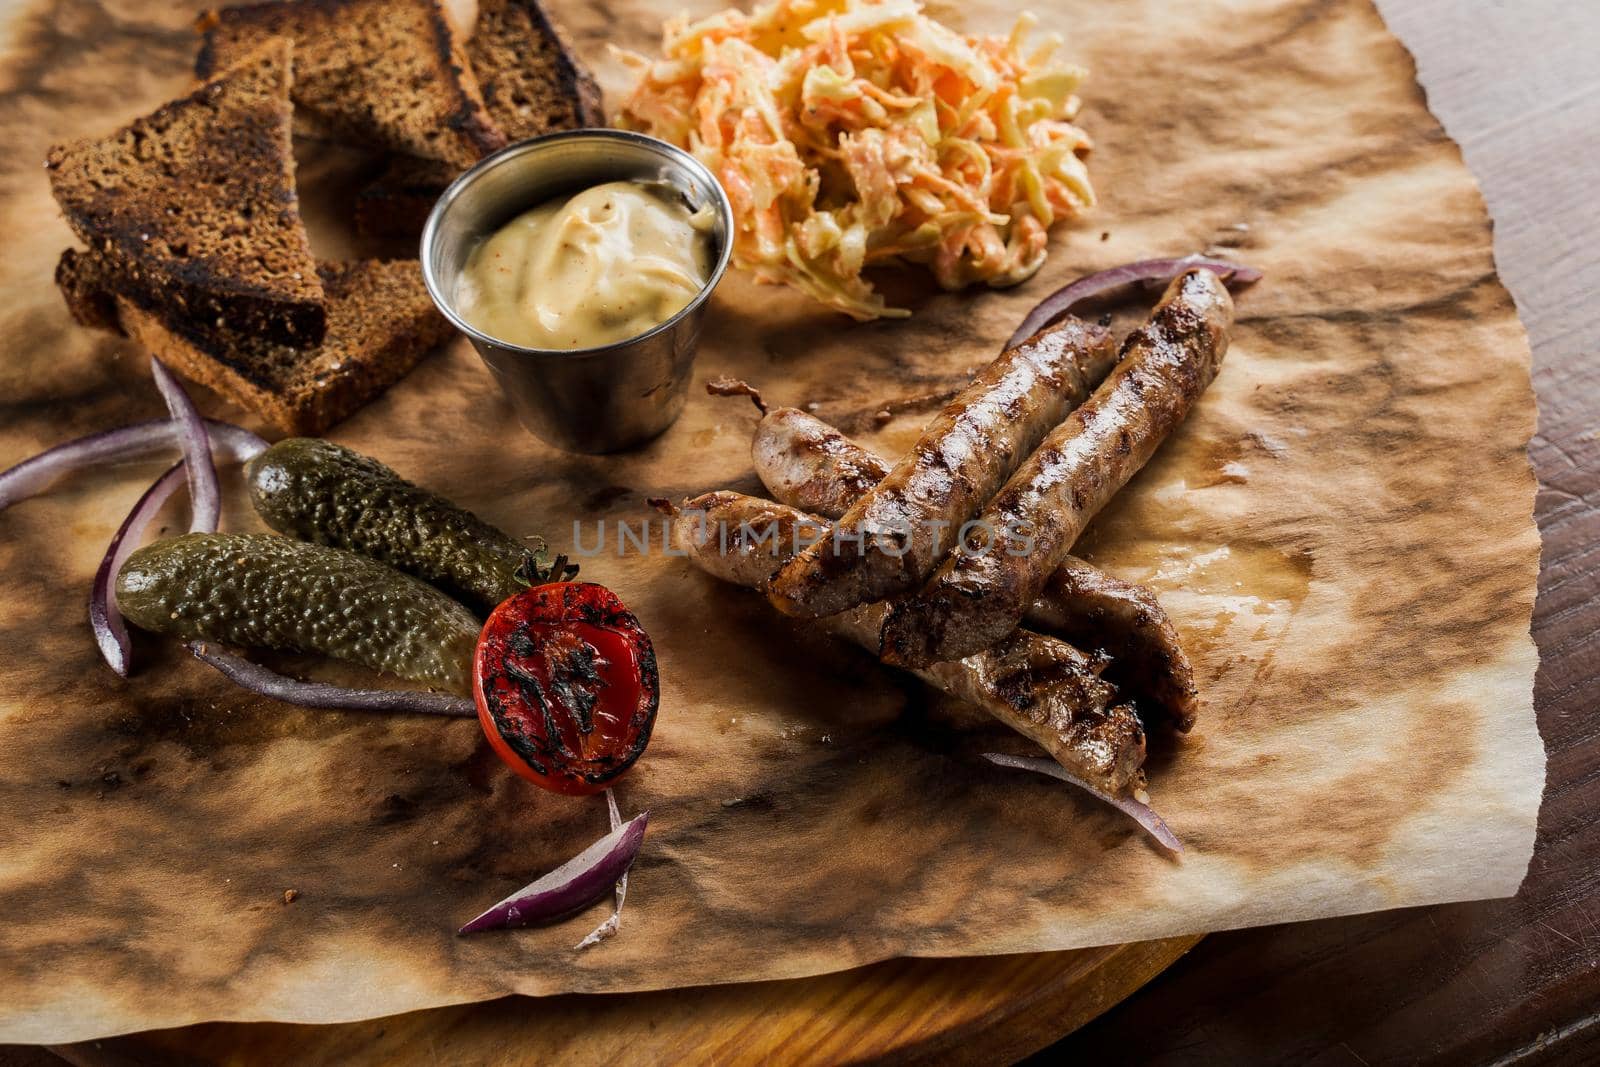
x=396 y=203
x=388 y=73
x=533 y=83
x=380 y=324
x=195 y=206
x=85 y=282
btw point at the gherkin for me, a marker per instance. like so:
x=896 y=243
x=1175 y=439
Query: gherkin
x=276 y=592
x=331 y=495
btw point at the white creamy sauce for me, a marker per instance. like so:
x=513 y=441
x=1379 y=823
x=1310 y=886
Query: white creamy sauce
x=593 y=269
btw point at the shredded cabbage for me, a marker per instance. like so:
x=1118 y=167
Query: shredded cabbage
x=853 y=133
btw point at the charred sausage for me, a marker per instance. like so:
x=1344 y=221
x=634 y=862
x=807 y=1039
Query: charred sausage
x=891 y=539
x=810 y=465
x=1094 y=610
x=986 y=586
x=1041 y=687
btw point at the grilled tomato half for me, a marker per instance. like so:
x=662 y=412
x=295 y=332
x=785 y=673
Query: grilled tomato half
x=566 y=686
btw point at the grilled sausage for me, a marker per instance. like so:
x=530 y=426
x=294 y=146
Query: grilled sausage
x=1043 y=688
x=894 y=536
x=1094 y=610
x=982 y=591
x=810 y=465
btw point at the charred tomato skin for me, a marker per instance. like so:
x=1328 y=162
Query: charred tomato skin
x=566 y=685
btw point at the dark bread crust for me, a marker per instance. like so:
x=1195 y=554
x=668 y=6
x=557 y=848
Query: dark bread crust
x=195 y=207
x=387 y=73
x=533 y=82
x=396 y=203
x=381 y=322
x=84 y=283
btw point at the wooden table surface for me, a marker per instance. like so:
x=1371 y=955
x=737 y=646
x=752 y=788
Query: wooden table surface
x=1508 y=981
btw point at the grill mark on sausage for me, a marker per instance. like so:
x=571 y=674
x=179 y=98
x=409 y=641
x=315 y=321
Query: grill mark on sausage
x=965 y=454
x=1042 y=687
x=975 y=600
x=810 y=465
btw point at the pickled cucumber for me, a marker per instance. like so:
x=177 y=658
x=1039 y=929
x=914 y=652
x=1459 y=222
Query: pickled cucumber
x=331 y=495
x=275 y=592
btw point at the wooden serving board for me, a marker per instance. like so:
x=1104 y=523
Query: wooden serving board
x=996 y=1009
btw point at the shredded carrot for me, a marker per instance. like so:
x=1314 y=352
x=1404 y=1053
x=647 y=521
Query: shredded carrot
x=853 y=132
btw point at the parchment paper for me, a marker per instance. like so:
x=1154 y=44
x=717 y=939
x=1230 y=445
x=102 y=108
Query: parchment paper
x=1342 y=532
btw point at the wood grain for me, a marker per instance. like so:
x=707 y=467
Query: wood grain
x=1510 y=981
x=975 y=1011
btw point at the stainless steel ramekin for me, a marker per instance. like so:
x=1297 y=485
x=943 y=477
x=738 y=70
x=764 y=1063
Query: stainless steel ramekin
x=590 y=399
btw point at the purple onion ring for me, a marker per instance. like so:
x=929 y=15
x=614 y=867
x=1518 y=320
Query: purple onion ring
x=269 y=683
x=612 y=922
x=104 y=618
x=1142 y=814
x=571 y=887
x=1060 y=303
x=205 y=497
x=33 y=476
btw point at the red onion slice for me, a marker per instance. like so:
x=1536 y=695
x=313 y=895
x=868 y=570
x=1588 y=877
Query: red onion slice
x=571 y=887
x=270 y=683
x=1142 y=814
x=205 y=497
x=104 y=618
x=33 y=476
x=1147 y=271
x=613 y=921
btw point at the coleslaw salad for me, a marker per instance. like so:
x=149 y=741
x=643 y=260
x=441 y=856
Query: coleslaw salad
x=856 y=133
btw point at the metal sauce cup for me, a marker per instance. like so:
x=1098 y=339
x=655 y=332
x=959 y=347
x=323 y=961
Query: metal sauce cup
x=599 y=399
